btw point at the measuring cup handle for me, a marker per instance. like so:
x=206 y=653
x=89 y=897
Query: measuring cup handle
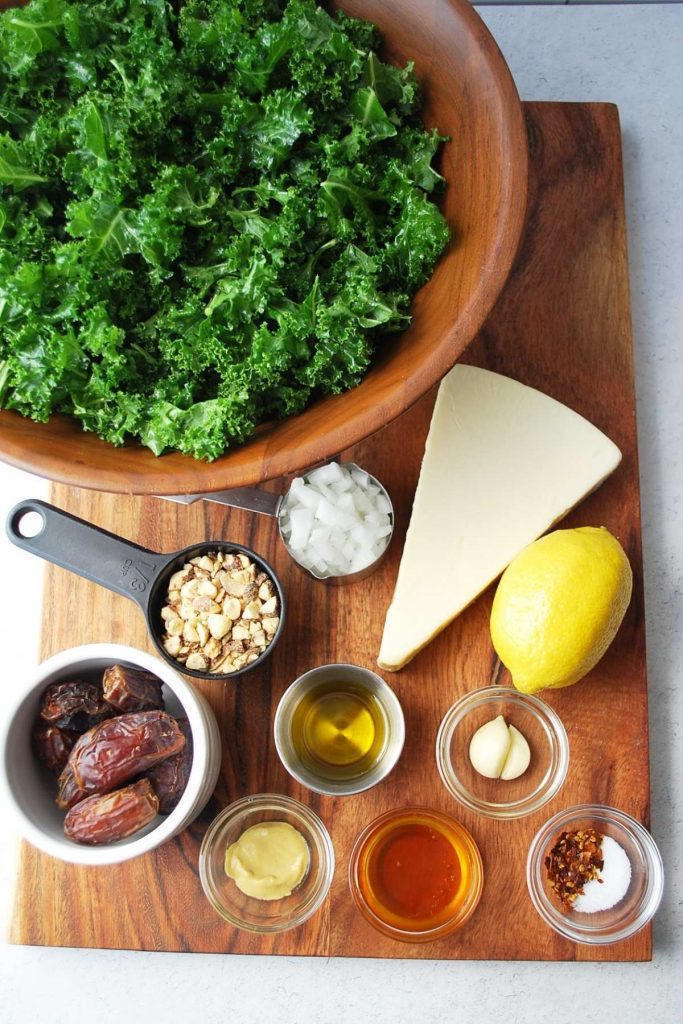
x=253 y=499
x=87 y=550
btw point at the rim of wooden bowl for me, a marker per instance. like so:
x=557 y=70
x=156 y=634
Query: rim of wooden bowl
x=60 y=449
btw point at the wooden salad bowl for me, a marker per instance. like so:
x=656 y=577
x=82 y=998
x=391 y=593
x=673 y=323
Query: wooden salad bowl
x=469 y=96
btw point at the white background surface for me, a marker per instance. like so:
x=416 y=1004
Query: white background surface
x=630 y=55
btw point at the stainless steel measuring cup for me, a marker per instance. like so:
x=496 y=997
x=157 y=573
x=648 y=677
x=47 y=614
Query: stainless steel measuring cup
x=268 y=503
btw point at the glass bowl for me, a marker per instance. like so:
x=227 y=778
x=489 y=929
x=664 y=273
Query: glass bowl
x=395 y=879
x=644 y=893
x=499 y=798
x=248 y=912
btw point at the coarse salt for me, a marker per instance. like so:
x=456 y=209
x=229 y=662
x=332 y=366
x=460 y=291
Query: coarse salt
x=612 y=884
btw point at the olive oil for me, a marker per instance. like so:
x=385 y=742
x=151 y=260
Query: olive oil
x=339 y=730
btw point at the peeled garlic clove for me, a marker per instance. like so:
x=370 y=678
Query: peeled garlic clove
x=519 y=756
x=489 y=748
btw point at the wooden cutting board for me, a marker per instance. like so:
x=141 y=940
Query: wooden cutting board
x=562 y=325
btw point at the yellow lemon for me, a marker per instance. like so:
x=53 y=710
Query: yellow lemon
x=559 y=605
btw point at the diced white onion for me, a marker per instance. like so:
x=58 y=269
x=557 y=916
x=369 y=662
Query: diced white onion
x=328 y=474
x=336 y=520
x=307 y=497
x=383 y=531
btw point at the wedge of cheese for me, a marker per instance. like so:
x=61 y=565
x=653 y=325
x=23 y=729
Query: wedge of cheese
x=502 y=463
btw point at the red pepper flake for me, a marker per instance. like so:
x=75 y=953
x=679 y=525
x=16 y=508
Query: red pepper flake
x=575 y=859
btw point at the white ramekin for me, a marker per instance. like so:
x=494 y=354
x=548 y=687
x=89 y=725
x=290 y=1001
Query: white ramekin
x=30 y=792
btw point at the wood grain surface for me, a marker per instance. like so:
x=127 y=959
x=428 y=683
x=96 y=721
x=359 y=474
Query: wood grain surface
x=471 y=97
x=562 y=325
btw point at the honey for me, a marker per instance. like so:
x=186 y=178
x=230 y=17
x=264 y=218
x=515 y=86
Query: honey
x=339 y=730
x=416 y=873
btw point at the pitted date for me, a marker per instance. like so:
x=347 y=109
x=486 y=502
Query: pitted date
x=132 y=689
x=69 y=791
x=169 y=777
x=52 y=745
x=116 y=750
x=112 y=816
x=74 y=705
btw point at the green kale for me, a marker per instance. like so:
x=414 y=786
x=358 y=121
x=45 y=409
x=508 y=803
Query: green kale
x=211 y=213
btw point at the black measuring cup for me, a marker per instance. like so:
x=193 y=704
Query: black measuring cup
x=126 y=568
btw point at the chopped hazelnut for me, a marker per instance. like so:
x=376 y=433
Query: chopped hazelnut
x=220 y=614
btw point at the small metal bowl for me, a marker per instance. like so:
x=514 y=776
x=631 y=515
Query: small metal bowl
x=386 y=702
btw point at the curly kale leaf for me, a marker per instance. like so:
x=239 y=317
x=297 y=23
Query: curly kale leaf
x=212 y=212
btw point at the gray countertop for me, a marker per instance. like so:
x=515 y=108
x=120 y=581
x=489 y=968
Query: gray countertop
x=629 y=55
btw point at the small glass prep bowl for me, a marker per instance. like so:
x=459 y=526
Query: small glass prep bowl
x=642 y=897
x=543 y=731
x=248 y=912
x=375 y=845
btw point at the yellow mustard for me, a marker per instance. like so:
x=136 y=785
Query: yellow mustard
x=268 y=861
